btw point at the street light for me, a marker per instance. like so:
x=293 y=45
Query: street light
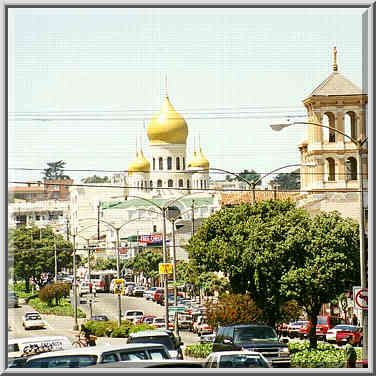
x=117 y=230
x=363 y=275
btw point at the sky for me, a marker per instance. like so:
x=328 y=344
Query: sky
x=84 y=83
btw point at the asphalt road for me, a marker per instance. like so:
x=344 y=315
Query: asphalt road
x=104 y=303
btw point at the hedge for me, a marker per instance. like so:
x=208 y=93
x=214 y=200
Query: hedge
x=64 y=309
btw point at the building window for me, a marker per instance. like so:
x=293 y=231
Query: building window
x=37 y=217
x=160 y=163
x=188 y=184
x=351 y=167
x=154 y=228
x=153 y=163
x=159 y=183
x=201 y=184
x=331 y=169
x=177 y=163
x=56 y=195
x=169 y=163
x=151 y=184
x=183 y=163
x=350 y=125
x=142 y=185
x=180 y=183
x=329 y=121
x=170 y=183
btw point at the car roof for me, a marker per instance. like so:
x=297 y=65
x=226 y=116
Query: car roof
x=220 y=353
x=150 y=363
x=97 y=350
x=146 y=333
x=242 y=325
x=35 y=339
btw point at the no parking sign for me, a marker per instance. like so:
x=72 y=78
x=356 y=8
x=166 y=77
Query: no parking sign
x=361 y=299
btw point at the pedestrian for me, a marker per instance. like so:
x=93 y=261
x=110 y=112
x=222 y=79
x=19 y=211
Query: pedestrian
x=350 y=354
x=94 y=290
x=354 y=320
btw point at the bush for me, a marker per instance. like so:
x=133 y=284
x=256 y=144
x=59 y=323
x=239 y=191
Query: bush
x=325 y=356
x=47 y=294
x=199 y=351
x=141 y=327
x=55 y=291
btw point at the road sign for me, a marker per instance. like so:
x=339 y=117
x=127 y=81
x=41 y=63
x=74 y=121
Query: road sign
x=165 y=268
x=118 y=286
x=361 y=299
x=176 y=309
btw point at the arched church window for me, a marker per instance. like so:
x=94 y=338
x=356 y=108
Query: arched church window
x=159 y=183
x=331 y=166
x=160 y=163
x=201 y=184
x=169 y=163
x=188 y=184
x=183 y=163
x=151 y=184
x=142 y=185
x=181 y=183
x=329 y=121
x=351 y=168
x=350 y=125
x=153 y=163
x=170 y=183
x=177 y=163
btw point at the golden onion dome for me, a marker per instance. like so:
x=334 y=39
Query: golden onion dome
x=167 y=126
x=199 y=160
x=140 y=164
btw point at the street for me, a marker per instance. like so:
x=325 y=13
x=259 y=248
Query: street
x=104 y=303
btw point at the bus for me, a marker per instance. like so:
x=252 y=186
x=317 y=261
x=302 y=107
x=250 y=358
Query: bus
x=102 y=279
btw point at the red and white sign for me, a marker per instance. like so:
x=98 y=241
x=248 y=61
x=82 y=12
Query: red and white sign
x=152 y=238
x=361 y=299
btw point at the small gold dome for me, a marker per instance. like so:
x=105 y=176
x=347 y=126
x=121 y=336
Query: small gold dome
x=167 y=126
x=199 y=160
x=140 y=164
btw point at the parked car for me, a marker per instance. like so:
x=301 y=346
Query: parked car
x=164 y=337
x=253 y=337
x=160 y=323
x=129 y=290
x=170 y=363
x=139 y=291
x=99 y=318
x=236 y=359
x=293 y=328
x=86 y=356
x=148 y=294
x=83 y=288
x=185 y=321
x=331 y=333
x=207 y=338
x=204 y=328
x=132 y=315
x=12 y=300
x=33 y=320
x=324 y=323
x=343 y=336
x=146 y=319
x=157 y=293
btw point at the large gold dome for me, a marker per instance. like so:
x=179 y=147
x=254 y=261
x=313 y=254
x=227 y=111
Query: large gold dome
x=167 y=126
x=140 y=164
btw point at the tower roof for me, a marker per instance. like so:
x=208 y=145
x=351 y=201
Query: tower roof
x=336 y=84
x=167 y=126
x=140 y=164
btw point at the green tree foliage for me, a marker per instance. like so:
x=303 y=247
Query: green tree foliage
x=34 y=254
x=95 y=179
x=247 y=175
x=55 y=171
x=232 y=309
x=288 y=181
x=327 y=266
x=146 y=262
x=55 y=292
x=276 y=252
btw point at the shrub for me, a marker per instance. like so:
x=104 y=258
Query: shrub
x=232 y=309
x=325 y=356
x=199 y=351
x=100 y=328
x=61 y=290
x=47 y=294
x=55 y=291
x=140 y=327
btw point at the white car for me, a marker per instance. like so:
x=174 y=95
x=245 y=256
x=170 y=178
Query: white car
x=133 y=315
x=331 y=333
x=83 y=288
x=148 y=294
x=160 y=323
x=236 y=359
x=33 y=320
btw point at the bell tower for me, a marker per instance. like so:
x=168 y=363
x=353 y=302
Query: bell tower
x=340 y=105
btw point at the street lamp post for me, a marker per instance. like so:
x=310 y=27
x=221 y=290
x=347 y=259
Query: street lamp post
x=75 y=326
x=363 y=267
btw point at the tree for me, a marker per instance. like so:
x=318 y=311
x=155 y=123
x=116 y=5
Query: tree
x=95 y=179
x=327 y=267
x=34 y=254
x=55 y=171
x=146 y=262
x=290 y=180
x=247 y=175
x=232 y=309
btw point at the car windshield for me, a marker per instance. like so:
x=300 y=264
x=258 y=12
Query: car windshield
x=163 y=340
x=135 y=313
x=159 y=320
x=33 y=317
x=346 y=327
x=242 y=361
x=254 y=333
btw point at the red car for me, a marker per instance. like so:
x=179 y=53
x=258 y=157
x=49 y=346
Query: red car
x=146 y=319
x=343 y=336
x=157 y=294
x=324 y=323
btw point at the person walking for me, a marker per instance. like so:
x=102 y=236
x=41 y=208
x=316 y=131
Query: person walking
x=350 y=354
